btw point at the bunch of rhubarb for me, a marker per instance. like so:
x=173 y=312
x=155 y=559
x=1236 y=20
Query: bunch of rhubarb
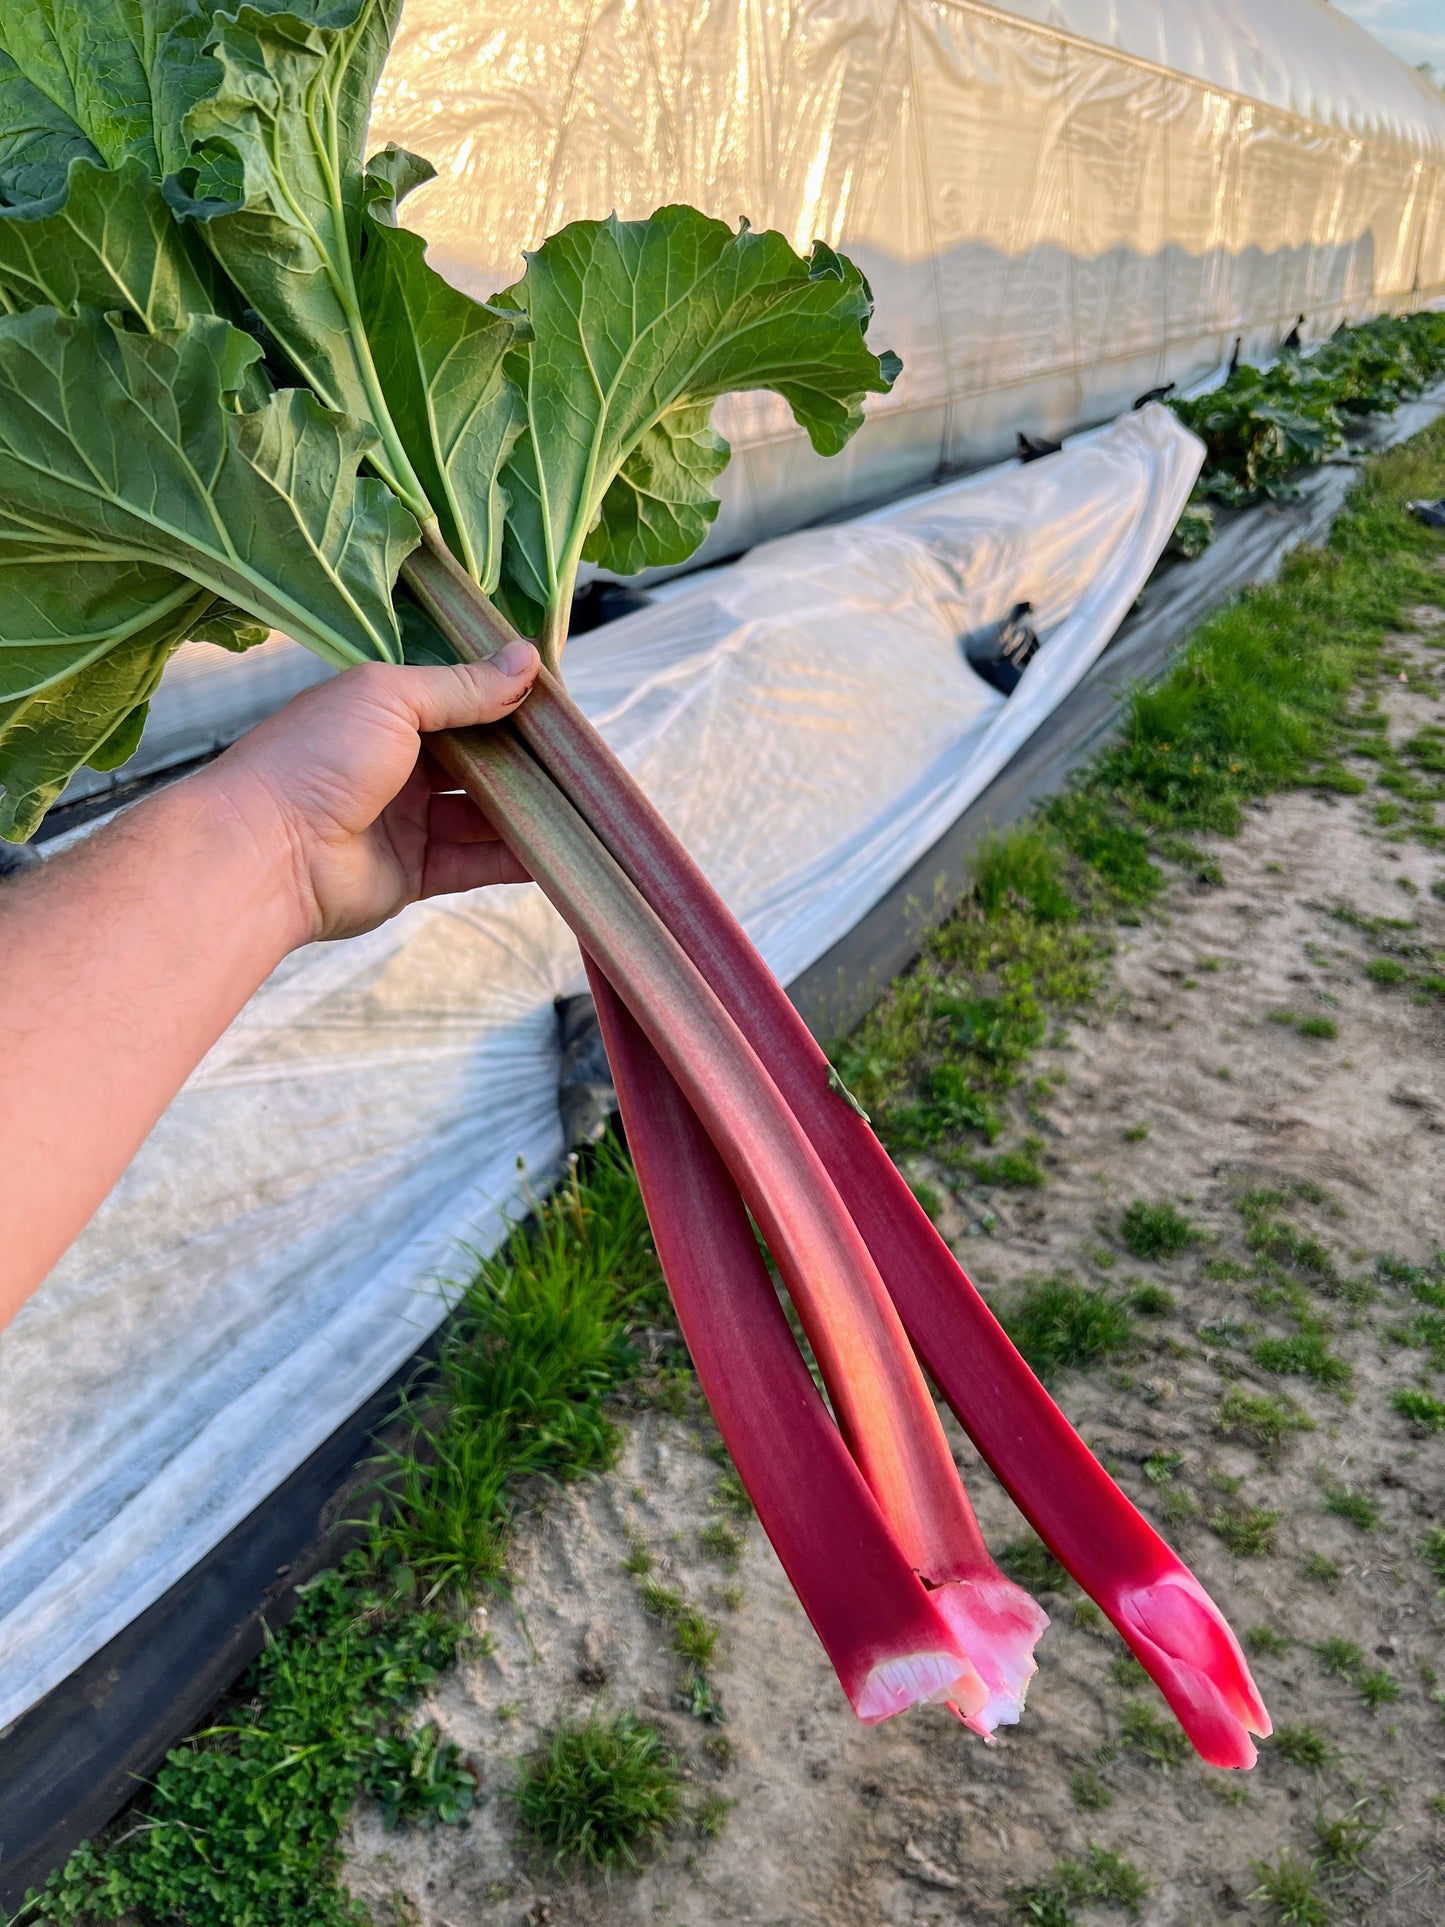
x=235 y=396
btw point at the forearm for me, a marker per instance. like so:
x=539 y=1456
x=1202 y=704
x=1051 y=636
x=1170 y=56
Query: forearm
x=121 y=962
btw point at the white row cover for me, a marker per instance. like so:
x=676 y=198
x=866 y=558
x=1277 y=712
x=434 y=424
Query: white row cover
x=806 y=720
x=1061 y=204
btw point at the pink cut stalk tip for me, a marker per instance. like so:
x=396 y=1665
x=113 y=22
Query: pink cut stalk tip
x=919 y=1679
x=998 y=1625
x=1185 y=1643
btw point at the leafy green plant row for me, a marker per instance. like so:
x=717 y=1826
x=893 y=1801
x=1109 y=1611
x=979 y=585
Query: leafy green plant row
x=1261 y=425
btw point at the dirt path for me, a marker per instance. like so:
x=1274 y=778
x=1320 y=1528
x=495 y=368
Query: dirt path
x=916 y=1821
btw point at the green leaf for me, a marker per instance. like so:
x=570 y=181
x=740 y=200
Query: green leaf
x=125 y=447
x=661 y=504
x=105 y=239
x=81 y=653
x=439 y=357
x=115 y=77
x=638 y=327
x=38 y=140
x=275 y=184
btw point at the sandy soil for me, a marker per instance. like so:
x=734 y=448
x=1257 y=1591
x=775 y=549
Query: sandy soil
x=917 y=1821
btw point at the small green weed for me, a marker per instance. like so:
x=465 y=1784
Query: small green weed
x=1156 y=1230
x=1264 y=1639
x=1421 y=1409
x=1265 y=1421
x=1432 y=1551
x=1377 y=1689
x=1029 y=1562
x=1386 y=970
x=419 y=1777
x=1340 y=1658
x=600 y=1793
x=708 y=1815
x=1160 y=1468
x=1303 y=1354
x=1090 y=1793
x=1289 y=1889
x=719 y=1540
x=1154 y=1301
x=1103 y=1878
x=1302 y=1746
x=1323 y=1570
x=1061 y=1323
x=1342 y=1841
x=1312 y=1026
x=1248 y=1531
x=1159 y=1740
x=1358 y=1507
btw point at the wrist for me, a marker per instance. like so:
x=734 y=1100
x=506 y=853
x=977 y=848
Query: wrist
x=240 y=821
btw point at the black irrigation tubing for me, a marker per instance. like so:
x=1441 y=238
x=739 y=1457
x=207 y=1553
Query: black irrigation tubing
x=74 y=1760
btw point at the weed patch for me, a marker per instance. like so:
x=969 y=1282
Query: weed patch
x=1061 y=1323
x=600 y=1793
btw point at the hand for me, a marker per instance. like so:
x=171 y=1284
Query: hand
x=373 y=823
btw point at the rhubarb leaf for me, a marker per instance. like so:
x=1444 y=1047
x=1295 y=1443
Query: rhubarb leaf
x=638 y=327
x=105 y=78
x=439 y=357
x=38 y=140
x=129 y=446
x=274 y=181
x=82 y=647
x=104 y=239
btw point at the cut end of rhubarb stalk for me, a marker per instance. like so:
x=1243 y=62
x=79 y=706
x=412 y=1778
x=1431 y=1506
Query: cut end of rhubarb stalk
x=998 y=1625
x=918 y=1679
x=1184 y=1642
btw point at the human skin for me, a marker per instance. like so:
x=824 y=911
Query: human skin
x=123 y=959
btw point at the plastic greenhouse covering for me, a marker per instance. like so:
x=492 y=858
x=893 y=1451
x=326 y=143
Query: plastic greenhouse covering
x=1060 y=206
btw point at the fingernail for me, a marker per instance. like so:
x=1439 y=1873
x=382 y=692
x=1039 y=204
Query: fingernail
x=514 y=657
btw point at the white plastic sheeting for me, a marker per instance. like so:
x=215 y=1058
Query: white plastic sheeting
x=806 y=720
x=1060 y=203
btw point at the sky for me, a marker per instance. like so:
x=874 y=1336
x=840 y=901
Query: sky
x=1413 y=29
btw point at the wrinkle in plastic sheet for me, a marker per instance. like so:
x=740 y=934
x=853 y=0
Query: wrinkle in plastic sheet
x=806 y=720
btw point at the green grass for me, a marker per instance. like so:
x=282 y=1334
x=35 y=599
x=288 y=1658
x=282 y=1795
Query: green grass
x=1266 y=1422
x=1103 y=1878
x=1154 y=1301
x=1033 y=1566
x=1304 y=1354
x=1432 y=1551
x=537 y=1345
x=1342 y=1842
x=1421 y=1408
x=1060 y=1323
x=1302 y=1746
x=1289 y=1890
x=1358 y=1507
x=600 y=1793
x=1156 y=1230
x=1248 y=1531
x=1339 y=1657
x=1090 y=1793
x=1156 y=1738
x=1307 y=1026
x=1265 y=1640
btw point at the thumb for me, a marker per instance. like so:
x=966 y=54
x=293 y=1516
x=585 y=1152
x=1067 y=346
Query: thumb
x=458 y=695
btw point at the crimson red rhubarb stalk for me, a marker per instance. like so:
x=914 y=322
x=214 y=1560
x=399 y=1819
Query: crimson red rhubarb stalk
x=878 y=1393
x=888 y=1644
x=1170 y=1622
